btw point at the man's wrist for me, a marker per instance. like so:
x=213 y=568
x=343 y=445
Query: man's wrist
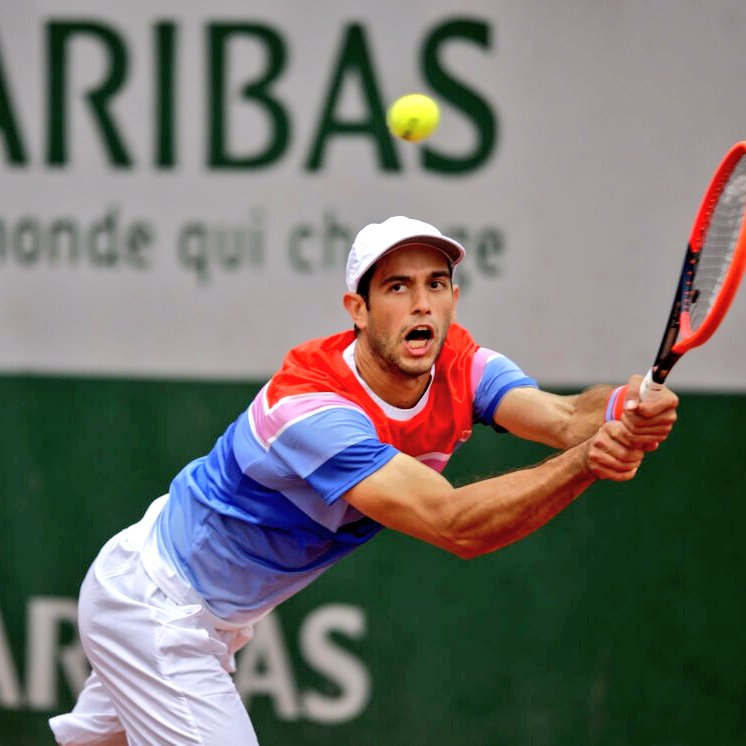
x=615 y=404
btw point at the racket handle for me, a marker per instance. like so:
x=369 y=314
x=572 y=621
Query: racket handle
x=649 y=388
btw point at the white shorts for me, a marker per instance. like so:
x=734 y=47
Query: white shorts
x=161 y=666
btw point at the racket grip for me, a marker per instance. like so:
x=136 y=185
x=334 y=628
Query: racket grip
x=649 y=388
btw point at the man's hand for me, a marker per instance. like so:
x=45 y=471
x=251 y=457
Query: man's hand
x=611 y=454
x=648 y=422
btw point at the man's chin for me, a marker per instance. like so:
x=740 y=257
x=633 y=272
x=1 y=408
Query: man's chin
x=417 y=367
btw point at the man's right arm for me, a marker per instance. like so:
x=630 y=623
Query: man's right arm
x=483 y=516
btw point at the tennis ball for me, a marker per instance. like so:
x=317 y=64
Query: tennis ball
x=413 y=117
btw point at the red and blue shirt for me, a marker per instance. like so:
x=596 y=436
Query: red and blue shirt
x=263 y=514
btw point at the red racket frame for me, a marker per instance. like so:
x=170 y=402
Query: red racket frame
x=688 y=338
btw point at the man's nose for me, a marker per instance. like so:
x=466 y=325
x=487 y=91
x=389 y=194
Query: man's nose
x=421 y=299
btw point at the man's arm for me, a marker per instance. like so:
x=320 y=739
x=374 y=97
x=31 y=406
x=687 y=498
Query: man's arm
x=483 y=516
x=565 y=421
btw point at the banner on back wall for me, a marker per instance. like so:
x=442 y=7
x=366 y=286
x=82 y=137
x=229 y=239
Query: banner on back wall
x=181 y=186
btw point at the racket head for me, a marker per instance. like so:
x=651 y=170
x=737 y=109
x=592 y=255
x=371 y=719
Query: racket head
x=716 y=255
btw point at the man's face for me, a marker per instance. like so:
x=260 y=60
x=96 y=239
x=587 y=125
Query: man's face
x=411 y=305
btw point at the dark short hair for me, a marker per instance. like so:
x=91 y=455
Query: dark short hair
x=363 y=285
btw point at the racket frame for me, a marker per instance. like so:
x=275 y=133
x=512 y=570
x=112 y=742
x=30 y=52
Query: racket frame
x=679 y=324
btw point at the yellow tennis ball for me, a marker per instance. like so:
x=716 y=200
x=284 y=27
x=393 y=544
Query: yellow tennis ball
x=413 y=117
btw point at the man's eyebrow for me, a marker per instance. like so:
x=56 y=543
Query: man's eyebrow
x=395 y=278
x=435 y=274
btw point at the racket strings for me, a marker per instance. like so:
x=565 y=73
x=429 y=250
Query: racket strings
x=718 y=246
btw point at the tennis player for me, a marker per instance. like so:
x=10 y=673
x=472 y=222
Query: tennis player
x=348 y=437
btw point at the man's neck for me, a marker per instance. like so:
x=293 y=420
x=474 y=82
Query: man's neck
x=393 y=386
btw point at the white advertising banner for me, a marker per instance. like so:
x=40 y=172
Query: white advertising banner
x=181 y=181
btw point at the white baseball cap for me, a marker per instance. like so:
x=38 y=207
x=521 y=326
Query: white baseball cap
x=377 y=239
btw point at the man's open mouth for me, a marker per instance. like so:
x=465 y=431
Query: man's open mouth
x=419 y=337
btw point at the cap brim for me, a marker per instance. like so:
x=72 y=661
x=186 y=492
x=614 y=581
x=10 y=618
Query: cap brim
x=453 y=250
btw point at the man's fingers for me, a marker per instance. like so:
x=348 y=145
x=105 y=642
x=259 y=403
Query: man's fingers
x=642 y=437
x=611 y=455
x=620 y=457
x=614 y=470
x=631 y=400
x=664 y=402
x=617 y=476
x=645 y=431
x=650 y=408
x=629 y=439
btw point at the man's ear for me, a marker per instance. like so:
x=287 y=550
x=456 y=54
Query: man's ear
x=455 y=301
x=355 y=305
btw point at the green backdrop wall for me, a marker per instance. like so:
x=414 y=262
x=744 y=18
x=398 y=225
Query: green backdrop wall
x=621 y=622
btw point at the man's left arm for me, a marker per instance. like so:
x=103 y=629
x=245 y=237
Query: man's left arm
x=564 y=421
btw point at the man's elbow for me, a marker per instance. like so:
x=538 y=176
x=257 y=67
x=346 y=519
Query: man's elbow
x=465 y=549
x=468 y=553
x=465 y=535
x=469 y=547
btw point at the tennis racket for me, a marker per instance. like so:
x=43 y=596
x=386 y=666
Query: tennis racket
x=713 y=267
